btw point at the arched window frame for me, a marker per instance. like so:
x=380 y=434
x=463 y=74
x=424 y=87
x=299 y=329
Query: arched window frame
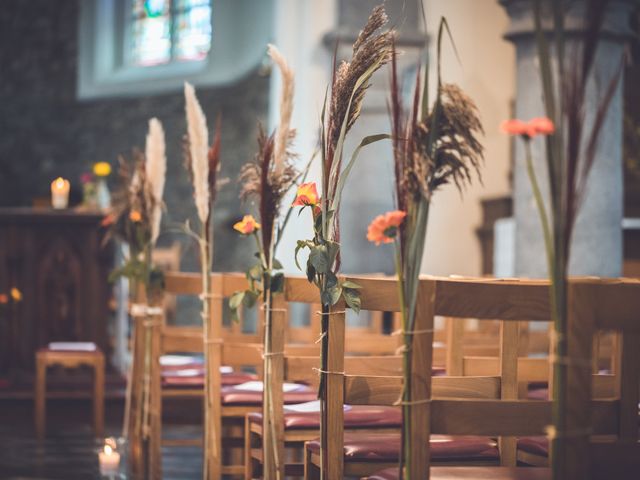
x=241 y=29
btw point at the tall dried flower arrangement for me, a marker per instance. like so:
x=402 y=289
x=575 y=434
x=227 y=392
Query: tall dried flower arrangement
x=350 y=81
x=266 y=180
x=135 y=220
x=203 y=163
x=570 y=152
x=433 y=145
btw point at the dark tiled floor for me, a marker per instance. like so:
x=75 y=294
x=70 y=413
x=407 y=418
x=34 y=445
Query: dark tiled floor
x=69 y=451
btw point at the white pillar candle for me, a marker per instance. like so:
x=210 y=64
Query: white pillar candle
x=60 y=193
x=109 y=461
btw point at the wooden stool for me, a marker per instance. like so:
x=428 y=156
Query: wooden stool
x=69 y=359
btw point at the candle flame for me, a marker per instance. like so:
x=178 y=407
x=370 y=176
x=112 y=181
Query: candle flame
x=59 y=182
x=108 y=450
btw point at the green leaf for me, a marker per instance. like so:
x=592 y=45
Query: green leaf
x=276 y=265
x=236 y=300
x=350 y=284
x=333 y=248
x=311 y=272
x=331 y=296
x=319 y=258
x=332 y=279
x=352 y=299
x=301 y=244
x=255 y=272
x=250 y=298
x=277 y=283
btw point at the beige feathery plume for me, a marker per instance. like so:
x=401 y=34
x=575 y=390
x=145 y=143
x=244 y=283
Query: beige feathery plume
x=286 y=108
x=198 y=148
x=156 y=169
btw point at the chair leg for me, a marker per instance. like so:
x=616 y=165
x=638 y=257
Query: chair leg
x=98 y=398
x=311 y=471
x=40 y=394
x=248 y=461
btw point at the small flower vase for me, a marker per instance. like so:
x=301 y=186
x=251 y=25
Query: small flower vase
x=103 y=197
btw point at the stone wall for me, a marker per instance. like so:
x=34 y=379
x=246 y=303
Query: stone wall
x=45 y=131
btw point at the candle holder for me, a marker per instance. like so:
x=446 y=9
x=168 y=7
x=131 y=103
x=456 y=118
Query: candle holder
x=60 y=193
x=111 y=459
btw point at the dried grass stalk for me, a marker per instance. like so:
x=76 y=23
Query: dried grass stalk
x=282 y=135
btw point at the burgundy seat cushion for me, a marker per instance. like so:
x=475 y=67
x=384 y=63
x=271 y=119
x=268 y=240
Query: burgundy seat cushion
x=234 y=396
x=538 y=394
x=474 y=473
x=534 y=445
x=228 y=379
x=357 y=416
x=385 y=447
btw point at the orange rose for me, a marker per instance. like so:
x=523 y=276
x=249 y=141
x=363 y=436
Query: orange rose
x=4 y=299
x=135 y=216
x=16 y=294
x=307 y=195
x=384 y=228
x=247 y=226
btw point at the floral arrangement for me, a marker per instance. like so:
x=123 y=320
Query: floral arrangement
x=266 y=180
x=371 y=50
x=571 y=143
x=433 y=145
x=203 y=164
x=137 y=210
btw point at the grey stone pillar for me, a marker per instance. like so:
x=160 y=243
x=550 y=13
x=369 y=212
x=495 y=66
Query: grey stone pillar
x=597 y=239
x=369 y=190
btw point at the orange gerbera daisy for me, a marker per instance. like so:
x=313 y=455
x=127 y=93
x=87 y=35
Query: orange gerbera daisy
x=247 y=225
x=384 y=228
x=535 y=126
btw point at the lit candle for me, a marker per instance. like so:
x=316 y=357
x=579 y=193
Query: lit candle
x=109 y=461
x=60 y=193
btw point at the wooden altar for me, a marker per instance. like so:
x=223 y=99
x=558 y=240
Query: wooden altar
x=58 y=260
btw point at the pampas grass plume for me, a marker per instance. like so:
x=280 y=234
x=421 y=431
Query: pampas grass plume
x=156 y=168
x=198 y=148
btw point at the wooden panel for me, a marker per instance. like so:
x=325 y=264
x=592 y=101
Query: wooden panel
x=493 y=299
x=529 y=369
x=370 y=390
x=616 y=303
x=609 y=460
x=182 y=339
x=239 y=354
x=60 y=263
x=629 y=376
x=183 y=283
x=490 y=417
x=369 y=343
x=303 y=368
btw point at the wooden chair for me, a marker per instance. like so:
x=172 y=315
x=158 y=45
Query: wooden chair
x=233 y=347
x=294 y=428
x=602 y=435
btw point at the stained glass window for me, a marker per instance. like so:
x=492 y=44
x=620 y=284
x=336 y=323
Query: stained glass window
x=163 y=31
